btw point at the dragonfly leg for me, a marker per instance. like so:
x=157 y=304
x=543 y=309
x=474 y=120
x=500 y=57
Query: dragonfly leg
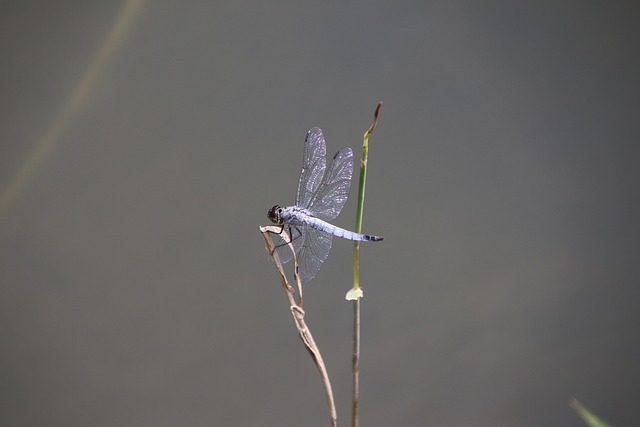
x=291 y=237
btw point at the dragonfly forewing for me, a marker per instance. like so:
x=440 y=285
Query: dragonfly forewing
x=314 y=162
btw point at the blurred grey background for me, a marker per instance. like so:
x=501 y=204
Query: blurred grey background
x=135 y=289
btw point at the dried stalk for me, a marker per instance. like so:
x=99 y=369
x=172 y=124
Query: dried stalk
x=298 y=313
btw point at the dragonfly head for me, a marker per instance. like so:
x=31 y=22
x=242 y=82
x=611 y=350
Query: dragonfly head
x=275 y=214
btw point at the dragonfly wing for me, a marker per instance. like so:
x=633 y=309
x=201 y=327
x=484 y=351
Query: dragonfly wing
x=282 y=248
x=333 y=191
x=314 y=163
x=313 y=253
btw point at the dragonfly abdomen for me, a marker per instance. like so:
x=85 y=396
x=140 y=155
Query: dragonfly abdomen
x=321 y=225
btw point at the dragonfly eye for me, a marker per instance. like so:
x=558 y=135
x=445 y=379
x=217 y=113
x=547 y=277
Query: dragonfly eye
x=275 y=214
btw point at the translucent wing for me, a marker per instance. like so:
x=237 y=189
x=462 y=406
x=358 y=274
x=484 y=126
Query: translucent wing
x=314 y=163
x=313 y=253
x=332 y=193
x=312 y=248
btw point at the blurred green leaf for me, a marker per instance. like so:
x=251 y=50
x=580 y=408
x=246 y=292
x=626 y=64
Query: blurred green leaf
x=588 y=417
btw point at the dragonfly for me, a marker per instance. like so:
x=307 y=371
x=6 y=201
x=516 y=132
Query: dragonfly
x=320 y=197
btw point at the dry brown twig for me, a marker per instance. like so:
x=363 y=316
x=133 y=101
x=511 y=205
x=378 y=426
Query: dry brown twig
x=298 y=313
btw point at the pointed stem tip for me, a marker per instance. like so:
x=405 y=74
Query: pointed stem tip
x=375 y=120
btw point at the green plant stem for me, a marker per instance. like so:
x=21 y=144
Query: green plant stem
x=355 y=359
x=355 y=364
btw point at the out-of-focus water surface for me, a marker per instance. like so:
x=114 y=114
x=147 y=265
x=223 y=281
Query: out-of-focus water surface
x=503 y=174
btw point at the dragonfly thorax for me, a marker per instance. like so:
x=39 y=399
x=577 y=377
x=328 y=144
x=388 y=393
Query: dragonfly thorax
x=275 y=214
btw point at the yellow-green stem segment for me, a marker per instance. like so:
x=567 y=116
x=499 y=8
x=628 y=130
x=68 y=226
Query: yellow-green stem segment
x=356 y=293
